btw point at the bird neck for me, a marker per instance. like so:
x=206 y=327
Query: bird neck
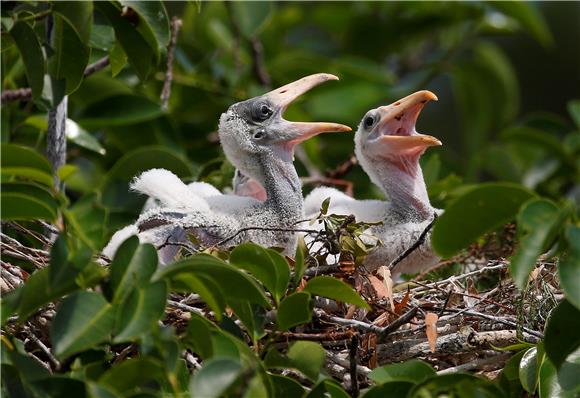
x=282 y=185
x=402 y=181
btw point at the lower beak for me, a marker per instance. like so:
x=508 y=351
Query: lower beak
x=402 y=144
x=296 y=132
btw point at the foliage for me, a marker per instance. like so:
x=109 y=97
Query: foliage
x=117 y=127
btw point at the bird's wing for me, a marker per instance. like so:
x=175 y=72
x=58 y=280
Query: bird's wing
x=169 y=190
x=203 y=189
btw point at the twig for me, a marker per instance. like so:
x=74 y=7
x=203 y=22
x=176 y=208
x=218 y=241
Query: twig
x=415 y=245
x=397 y=323
x=353 y=357
x=477 y=363
x=184 y=307
x=328 y=336
x=360 y=369
x=342 y=168
x=258 y=62
x=97 y=66
x=271 y=229
x=348 y=185
x=44 y=349
x=25 y=94
x=166 y=92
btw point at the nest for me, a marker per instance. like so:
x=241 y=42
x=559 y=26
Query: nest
x=457 y=317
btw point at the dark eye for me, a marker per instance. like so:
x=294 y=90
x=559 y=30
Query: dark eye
x=259 y=134
x=262 y=112
x=369 y=121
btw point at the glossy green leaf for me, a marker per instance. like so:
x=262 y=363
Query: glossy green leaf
x=294 y=310
x=81 y=137
x=413 y=371
x=215 y=377
x=299 y=262
x=569 y=266
x=252 y=17
x=486 y=207
x=286 y=386
x=117 y=59
x=574 y=111
x=509 y=379
x=132 y=267
x=59 y=386
x=29 y=46
x=25 y=201
x=132 y=373
x=141 y=55
x=209 y=290
x=102 y=37
x=327 y=286
x=457 y=384
x=308 y=357
x=538 y=222
x=528 y=17
x=119 y=111
x=544 y=140
x=153 y=22
x=140 y=311
x=562 y=336
x=88 y=218
x=79 y=14
x=550 y=385
x=61 y=270
x=529 y=369
x=198 y=336
x=25 y=162
x=83 y=320
x=393 y=388
x=268 y=266
x=235 y=284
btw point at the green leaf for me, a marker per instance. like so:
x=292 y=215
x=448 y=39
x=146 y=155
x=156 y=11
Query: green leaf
x=327 y=388
x=285 y=386
x=120 y=110
x=78 y=14
x=295 y=309
x=413 y=371
x=207 y=288
x=71 y=54
x=569 y=372
x=307 y=357
x=132 y=373
x=393 y=388
x=327 y=286
x=252 y=17
x=528 y=17
x=456 y=385
x=538 y=222
x=132 y=267
x=431 y=169
x=140 y=311
x=215 y=377
x=574 y=111
x=509 y=378
x=79 y=136
x=529 y=369
x=550 y=385
x=562 y=336
x=299 y=263
x=117 y=59
x=235 y=284
x=37 y=292
x=61 y=270
x=32 y=55
x=88 y=218
x=485 y=206
x=153 y=22
x=24 y=201
x=198 y=336
x=569 y=266
x=141 y=55
x=83 y=320
x=25 y=162
x=268 y=266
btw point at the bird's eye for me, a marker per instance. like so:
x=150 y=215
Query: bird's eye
x=369 y=121
x=259 y=134
x=262 y=112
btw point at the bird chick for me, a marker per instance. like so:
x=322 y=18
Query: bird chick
x=388 y=149
x=260 y=143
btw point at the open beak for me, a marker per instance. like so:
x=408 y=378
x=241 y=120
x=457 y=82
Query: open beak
x=296 y=132
x=396 y=127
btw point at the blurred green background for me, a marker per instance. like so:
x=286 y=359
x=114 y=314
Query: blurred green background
x=505 y=74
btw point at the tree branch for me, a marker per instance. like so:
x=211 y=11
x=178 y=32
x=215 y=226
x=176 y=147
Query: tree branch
x=166 y=92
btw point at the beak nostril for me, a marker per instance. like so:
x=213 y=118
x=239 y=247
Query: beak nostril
x=283 y=91
x=397 y=103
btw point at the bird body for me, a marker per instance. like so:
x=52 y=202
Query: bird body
x=260 y=143
x=388 y=149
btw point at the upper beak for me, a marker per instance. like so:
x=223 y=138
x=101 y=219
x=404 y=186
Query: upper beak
x=296 y=132
x=404 y=113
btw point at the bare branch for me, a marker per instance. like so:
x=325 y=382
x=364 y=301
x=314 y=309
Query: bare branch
x=166 y=92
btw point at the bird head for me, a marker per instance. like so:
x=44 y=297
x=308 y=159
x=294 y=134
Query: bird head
x=387 y=134
x=256 y=126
